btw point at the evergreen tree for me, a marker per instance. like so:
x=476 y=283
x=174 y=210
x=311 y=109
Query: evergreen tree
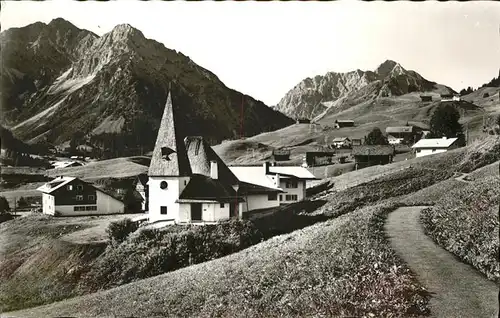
x=444 y=122
x=375 y=137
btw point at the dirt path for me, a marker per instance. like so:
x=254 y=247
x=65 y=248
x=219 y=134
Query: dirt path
x=458 y=290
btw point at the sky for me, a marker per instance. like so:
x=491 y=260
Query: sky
x=264 y=49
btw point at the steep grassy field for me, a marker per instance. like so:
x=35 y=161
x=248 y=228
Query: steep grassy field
x=341 y=267
x=42 y=258
x=465 y=222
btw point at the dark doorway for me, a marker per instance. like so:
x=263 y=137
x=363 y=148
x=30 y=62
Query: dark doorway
x=196 y=211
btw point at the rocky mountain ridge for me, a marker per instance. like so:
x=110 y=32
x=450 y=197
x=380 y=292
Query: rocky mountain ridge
x=59 y=80
x=315 y=96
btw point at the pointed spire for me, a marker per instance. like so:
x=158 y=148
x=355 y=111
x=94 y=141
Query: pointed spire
x=169 y=155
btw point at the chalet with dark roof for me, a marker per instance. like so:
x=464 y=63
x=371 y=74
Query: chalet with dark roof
x=371 y=155
x=69 y=196
x=341 y=123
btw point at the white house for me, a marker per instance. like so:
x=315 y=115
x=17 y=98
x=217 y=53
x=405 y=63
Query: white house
x=425 y=147
x=339 y=142
x=291 y=180
x=196 y=189
x=394 y=140
x=66 y=164
x=69 y=196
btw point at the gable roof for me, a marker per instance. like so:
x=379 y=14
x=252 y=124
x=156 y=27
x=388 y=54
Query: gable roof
x=204 y=188
x=435 y=143
x=55 y=184
x=168 y=136
x=399 y=129
x=373 y=150
x=200 y=154
x=344 y=121
x=340 y=139
x=293 y=171
x=253 y=175
x=64 y=164
x=60 y=182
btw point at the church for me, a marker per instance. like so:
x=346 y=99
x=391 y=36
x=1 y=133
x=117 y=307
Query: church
x=198 y=188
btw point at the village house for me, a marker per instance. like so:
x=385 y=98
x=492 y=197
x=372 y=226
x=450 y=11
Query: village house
x=66 y=164
x=426 y=98
x=371 y=155
x=188 y=190
x=303 y=120
x=403 y=134
x=341 y=123
x=356 y=142
x=319 y=158
x=425 y=147
x=341 y=142
x=289 y=180
x=69 y=196
x=281 y=154
x=450 y=97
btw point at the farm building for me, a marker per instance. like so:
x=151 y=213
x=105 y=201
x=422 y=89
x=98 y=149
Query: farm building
x=394 y=141
x=425 y=147
x=341 y=142
x=450 y=97
x=356 y=142
x=303 y=121
x=371 y=155
x=281 y=154
x=341 y=123
x=69 y=196
x=426 y=98
x=289 y=180
x=141 y=186
x=318 y=158
x=404 y=134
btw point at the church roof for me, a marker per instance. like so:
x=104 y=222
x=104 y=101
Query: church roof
x=200 y=155
x=174 y=160
x=201 y=187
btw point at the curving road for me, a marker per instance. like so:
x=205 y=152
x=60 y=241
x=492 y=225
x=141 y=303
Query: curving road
x=457 y=289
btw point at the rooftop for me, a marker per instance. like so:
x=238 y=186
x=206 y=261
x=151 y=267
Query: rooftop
x=169 y=155
x=435 y=143
x=55 y=184
x=204 y=188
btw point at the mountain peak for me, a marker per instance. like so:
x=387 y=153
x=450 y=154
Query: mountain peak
x=126 y=30
x=61 y=23
x=387 y=67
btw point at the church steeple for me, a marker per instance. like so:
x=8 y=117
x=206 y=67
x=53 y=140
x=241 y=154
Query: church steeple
x=169 y=155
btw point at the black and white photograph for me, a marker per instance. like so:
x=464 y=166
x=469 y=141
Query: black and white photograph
x=241 y=159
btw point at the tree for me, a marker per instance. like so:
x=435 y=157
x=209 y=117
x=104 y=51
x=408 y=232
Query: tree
x=444 y=122
x=22 y=203
x=4 y=205
x=375 y=137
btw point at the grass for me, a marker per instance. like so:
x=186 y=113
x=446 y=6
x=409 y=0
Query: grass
x=486 y=171
x=465 y=222
x=42 y=258
x=342 y=267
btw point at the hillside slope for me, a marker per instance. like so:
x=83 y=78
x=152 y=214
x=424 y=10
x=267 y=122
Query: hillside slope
x=59 y=80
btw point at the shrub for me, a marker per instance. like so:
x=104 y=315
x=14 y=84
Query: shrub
x=118 y=231
x=486 y=95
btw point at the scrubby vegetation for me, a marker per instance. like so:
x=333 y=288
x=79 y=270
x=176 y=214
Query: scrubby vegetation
x=342 y=267
x=118 y=231
x=151 y=252
x=465 y=222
